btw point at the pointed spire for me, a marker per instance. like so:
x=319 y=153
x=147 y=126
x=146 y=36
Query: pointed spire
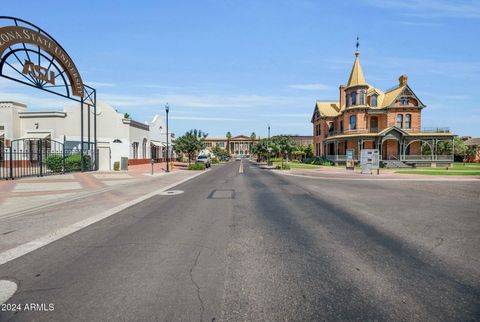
x=356 y=76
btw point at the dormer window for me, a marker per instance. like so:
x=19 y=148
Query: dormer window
x=354 y=98
x=403 y=100
x=373 y=100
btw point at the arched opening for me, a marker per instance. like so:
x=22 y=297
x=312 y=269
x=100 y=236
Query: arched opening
x=390 y=149
x=144 y=149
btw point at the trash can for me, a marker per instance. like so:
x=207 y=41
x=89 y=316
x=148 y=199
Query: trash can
x=123 y=164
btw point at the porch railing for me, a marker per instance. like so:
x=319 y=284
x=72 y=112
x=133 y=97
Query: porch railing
x=449 y=158
x=426 y=157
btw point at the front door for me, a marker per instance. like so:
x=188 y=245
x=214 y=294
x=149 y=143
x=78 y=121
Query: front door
x=104 y=158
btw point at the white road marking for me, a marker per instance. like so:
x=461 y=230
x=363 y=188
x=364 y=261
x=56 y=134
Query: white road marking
x=26 y=248
x=240 y=169
x=378 y=179
x=7 y=289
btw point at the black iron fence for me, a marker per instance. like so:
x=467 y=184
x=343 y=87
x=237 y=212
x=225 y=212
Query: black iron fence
x=41 y=157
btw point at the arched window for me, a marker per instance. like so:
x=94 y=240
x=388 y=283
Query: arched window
x=353 y=122
x=362 y=98
x=144 y=149
x=408 y=121
x=135 y=150
x=354 y=98
x=399 y=120
x=404 y=101
x=117 y=141
x=373 y=100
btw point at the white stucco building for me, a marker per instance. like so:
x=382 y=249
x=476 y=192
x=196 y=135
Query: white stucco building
x=117 y=137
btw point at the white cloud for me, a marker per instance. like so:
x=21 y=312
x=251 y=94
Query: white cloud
x=202 y=101
x=203 y=118
x=101 y=84
x=432 y=8
x=312 y=87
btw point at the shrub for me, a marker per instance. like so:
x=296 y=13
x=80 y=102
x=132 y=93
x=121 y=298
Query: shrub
x=215 y=161
x=72 y=162
x=197 y=166
x=285 y=167
x=55 y=162
x=318 y=161
x=116 y=166
x=276 y=159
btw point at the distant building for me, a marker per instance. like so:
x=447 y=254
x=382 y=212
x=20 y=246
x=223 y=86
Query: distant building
x=117 y=137
x=302 y=139
x=364 y=117
x=237 y=145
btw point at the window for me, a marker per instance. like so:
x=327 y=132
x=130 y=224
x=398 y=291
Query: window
x=399 y=120
x=135 y=150
x=362 y=98
x=221 y=145
x=144 y=149
x=353 y=122
x=341 y=125
x=317 y=129
x=373 y=100
x=347 y=100
x=331 y=127
x=354 y=98
x=408 y=121
x=404 y=101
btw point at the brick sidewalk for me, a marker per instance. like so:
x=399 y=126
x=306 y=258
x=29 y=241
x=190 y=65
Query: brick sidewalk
x=28 y=192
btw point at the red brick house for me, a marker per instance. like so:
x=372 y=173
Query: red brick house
x=364 y=117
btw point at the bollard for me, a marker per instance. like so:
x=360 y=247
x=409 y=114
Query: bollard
x=152 y=161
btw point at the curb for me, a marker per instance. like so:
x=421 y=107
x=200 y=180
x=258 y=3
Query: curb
x=33 y=245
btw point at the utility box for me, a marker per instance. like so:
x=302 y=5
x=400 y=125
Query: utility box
x=123 y=164
x=370 y=159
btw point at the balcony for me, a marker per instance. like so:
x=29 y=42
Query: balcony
x=356 y=131
x=376 y=130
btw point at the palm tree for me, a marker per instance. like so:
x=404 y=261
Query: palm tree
x=229 y=137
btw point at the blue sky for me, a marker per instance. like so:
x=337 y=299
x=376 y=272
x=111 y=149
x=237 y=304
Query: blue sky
x=239 y=65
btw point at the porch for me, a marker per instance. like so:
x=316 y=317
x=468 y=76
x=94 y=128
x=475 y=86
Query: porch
x=394 y=144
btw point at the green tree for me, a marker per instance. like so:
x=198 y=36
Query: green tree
x=284 y=146
x=229 y=137
x=126 y=116
x=219 y=152
x=190 y=143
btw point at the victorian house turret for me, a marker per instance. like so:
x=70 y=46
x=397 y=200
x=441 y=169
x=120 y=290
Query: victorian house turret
x=364 y=117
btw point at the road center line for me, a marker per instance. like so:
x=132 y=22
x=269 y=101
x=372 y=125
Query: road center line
x=240 y=169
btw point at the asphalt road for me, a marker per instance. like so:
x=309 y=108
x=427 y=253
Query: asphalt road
x=258 y=246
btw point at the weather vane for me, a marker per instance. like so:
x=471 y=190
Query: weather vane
x=358 y=44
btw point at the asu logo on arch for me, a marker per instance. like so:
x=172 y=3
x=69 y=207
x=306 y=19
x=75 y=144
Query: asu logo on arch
x=39 y=72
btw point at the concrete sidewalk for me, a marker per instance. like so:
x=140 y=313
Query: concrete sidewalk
x=34 y=207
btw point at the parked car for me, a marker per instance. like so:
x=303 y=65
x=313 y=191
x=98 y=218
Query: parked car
x=238 y=158
x=224 y=159
x=204 y=159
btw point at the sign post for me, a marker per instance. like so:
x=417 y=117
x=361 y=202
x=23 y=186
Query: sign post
x=350 y=159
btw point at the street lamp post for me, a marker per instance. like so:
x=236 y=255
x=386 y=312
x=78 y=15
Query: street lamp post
x=268 y=146
x=167 y=108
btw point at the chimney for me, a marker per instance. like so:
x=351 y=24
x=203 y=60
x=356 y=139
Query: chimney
x=403 y=80
x=341 y=101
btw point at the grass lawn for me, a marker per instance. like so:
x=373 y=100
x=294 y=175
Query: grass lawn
x=294 y=165
x=456 y=166
x=440 y=172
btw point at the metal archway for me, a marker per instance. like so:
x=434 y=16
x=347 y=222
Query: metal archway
x=32 y=57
